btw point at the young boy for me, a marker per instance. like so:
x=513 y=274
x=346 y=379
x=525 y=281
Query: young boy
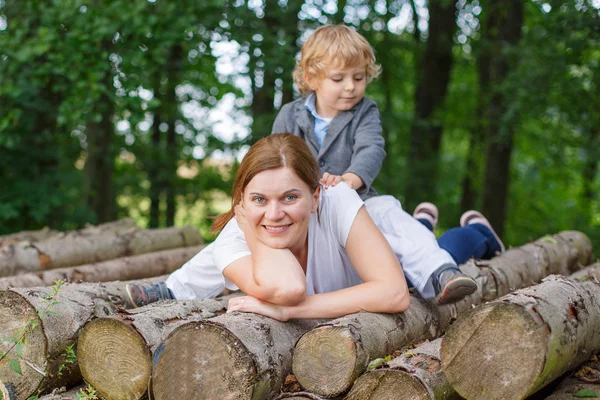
x=343 y=130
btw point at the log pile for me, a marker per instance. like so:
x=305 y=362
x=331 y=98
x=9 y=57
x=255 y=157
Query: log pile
x=187 y=349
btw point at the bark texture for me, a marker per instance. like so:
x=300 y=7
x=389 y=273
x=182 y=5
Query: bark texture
x=81 y=247
x=125 y=268
x=303 y=396
x=50 y=329
x=63 y=394
x=328 y=359
x=415 y=375
x=586 y=378
x=514 y=346
x=232 y=356
x=32 y=236
x=115 y=353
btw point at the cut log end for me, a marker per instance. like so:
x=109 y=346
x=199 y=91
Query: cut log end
x=15 y=314
x=505 y=370
x=114 y=359
x=388 y=384
x=203 y=357
x=326 y=352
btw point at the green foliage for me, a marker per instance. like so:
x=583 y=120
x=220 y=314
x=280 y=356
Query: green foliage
x=87 y=393
x=586 y=393
x=149 y=73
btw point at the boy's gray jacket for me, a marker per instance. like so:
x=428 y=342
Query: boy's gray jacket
x=353 y=142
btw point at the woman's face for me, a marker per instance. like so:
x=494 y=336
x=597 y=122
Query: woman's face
x=278 y=204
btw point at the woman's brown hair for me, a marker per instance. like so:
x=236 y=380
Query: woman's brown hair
x=272 y=152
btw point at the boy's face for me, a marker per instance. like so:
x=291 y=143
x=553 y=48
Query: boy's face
x=340 y=89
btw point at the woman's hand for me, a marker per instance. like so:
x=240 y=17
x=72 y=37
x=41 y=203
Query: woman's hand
x=254 y=305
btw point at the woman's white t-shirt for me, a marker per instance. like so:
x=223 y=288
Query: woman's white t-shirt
x=328 y=266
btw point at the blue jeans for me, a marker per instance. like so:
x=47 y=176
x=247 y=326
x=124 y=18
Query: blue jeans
x=475 y=240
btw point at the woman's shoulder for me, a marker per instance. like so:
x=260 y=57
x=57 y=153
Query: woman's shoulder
x=337 y=197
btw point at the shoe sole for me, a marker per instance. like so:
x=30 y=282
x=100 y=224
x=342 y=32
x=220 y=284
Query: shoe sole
x=457 y=290
x=130 y=297
x=423 y=211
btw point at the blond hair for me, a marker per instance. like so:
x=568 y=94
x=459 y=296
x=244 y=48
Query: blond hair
x=337 y=44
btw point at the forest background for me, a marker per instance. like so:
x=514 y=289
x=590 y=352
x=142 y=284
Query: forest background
x=113 y=108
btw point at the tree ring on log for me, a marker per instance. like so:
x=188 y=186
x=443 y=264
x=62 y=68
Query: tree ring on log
x=326 y=351
x=114 y=359
x=203 y=358
x=506 y=368
x=16 y=313
x=389 y=384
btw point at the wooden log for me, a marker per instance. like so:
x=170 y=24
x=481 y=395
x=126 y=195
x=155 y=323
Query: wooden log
x=48 y=323
x=514 y=346
x=119 y=226
x=418 y=369
x=303 y=396
x=328 y=359
x=115 y=353
x=125 y=268
x=583 y=382
x=83 y=247
x=414 y=375
x=63 y=394
x=232 y=356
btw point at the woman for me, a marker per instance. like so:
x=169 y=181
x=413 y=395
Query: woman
x=295 y=249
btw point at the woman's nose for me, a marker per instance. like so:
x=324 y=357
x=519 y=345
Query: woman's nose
x=274 y=211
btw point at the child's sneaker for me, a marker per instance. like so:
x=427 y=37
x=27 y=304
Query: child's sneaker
x=428 y=212
x=141 y=295
x=475 y=217
x=451 y=285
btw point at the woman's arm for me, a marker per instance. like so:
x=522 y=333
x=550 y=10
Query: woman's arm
x=383 y=289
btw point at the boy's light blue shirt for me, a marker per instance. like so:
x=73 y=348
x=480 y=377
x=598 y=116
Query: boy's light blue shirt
x=321 y=124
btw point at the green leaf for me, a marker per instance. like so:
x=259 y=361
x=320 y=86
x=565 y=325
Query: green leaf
x=586 y=393
x=549 y=239
x=19 y=349
x=378 y=362
x=15 y=365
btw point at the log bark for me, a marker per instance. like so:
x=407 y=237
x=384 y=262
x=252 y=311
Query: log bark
x=50 y=331
x=232 y=356
x=328 y=359
x=115 y=353
x=63 y=394
x=585 y=378
x=80 y=247
x=415 y=375
x=514 y=346
x=125 y=268
x=420 y=370
x=119 y=226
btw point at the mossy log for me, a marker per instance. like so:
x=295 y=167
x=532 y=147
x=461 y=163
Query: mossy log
x=115 y=353
x=125 y=268
x=328 y=359
x=514 y=346
x=85 y=247
x=418 y=369
x=232 y=356
x=414 y=375
x=47 y=326
x=585 y=380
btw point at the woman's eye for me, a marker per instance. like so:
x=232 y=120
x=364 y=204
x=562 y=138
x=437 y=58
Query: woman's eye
x=291 y=197
x=258 y=200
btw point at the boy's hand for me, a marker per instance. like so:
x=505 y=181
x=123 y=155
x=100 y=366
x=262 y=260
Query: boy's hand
x=351 y=180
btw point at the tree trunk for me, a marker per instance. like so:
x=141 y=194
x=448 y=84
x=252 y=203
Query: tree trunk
x=514 y=346
x=50 y=325
x=328 y=359
x=127 y=342
x=120 y=269
x=433 y=79
x=504 y=23
x=100 y=162
x=81 y=247
x=417 y=373
x=232 y=356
